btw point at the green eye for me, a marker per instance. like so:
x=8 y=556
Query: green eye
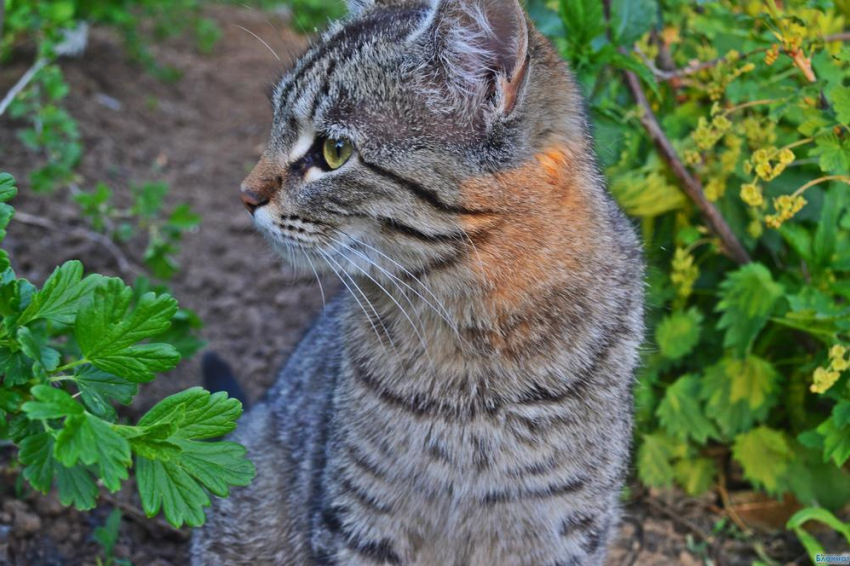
x=337 y=152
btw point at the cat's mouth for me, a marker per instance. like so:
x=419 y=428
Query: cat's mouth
x=289 y=229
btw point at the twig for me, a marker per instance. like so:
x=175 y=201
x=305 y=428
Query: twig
x=125 y=266
x=22 y=84
x=663 y=75
x=133 y=513
x=730 y=243
x=677 y=518
x=727 y=503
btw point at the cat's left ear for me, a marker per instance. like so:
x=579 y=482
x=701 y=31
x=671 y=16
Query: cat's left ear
x=482 y=47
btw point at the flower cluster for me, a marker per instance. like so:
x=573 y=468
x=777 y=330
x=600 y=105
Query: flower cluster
x=708 y=133
x=825 y=378
x=769 y=163
x=684 y=273
x=786 y=207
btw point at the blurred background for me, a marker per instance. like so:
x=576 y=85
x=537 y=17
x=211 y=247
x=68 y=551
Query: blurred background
x=723 y=128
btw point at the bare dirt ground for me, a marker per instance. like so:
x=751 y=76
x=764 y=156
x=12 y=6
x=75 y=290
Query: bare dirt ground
x=202 y=134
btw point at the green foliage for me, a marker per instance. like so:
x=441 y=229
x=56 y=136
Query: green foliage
x=107 y=537
x=71 y=349
x=755 y=103
x=818 y=515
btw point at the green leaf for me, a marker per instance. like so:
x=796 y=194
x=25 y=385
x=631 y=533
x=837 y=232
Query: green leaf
x=107 y=535
x=8 y=188
x=166 y=486
x=216 y=465
x=695 y=476
x=51 y=403
x=765 y=456
x=98 y=389
x=680 y=413
x=678 y=333
x=840 y=98
x=203 y=415
x=739 y=392
x=747 y=300
x=36 y=453
x=836 y=441
x=46 y=359
x=107 y=335
x=60 y=297
x=583 y=20
x=76 y=487
x=820 y=515
x=630 y=19
x=88 y=439
x=834 y=153
x=653 y=460
x=823 y=247
x=16 y=366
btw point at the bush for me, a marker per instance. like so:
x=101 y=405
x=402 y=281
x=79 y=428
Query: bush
x=70 y=351
x=724 y=128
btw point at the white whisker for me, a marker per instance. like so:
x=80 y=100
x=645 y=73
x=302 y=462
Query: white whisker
x=261 y=40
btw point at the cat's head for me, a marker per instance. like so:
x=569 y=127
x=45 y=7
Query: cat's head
x=390 y=134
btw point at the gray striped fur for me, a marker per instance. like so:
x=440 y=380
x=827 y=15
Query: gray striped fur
x=452 y=409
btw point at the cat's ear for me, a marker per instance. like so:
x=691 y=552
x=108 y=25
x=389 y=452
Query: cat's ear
x=481 y=45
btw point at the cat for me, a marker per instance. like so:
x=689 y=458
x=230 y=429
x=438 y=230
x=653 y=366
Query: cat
x=468 y=400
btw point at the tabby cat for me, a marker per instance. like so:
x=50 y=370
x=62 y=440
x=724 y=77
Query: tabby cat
x=468 y=401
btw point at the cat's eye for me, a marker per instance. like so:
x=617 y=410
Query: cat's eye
x=337 y=152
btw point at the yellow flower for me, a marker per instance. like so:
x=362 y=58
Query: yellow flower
x=684 y=273
x=761 y=156
x=838 y=358
x=693 y=157
x=715 y=189
x=824 y=380
x=752 y=195
x=772 y=55
x=786 y=157
x=837 y=351
x=765 y=171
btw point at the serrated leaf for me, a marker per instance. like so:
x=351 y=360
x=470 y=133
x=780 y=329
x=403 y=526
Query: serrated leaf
x=678 y=334
x=840 y=98
x=747 y=300
x=836 y=441
x=46 y=359
x=8 y=188
x=107 y=335
x=60 y=297
x=51 y=403
x=166 y=486
x=216 y=465
x=205 y=415
x=765 y=456
x=583 y=20
x=76 y=487
x=630 y=19
x=654 y=460
x=16 y=367
x=739 y=392
x=680 y=413
x=98 y=389
x=36 y=453
x=834 y=154
x=695 y=476
x=87 y=439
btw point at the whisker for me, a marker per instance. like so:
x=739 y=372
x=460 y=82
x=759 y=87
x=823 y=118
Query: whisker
x=329 y=259
x=261 y=40
x=397 y=281
x=318 y=280
x=400 y=266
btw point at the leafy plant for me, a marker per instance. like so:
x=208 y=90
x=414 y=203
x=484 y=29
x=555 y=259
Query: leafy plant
x=72 y=350
x=724 y=128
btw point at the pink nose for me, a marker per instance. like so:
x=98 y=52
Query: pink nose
x=251 y=200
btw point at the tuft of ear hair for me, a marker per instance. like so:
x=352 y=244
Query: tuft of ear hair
x=479 y=48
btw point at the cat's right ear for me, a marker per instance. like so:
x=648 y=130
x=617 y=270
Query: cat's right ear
x=478 y=49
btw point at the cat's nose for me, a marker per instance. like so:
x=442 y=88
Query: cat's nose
x=251 y=200
x=261 y=184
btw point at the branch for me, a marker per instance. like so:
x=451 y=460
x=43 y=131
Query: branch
x=664 y=75
x=693 y=188
x=22 y=83
x=125 y=266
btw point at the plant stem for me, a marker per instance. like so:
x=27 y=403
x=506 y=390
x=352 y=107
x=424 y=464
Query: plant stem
x=22 y=83
x=693 y=188
x=72 y=365
x=810 y=184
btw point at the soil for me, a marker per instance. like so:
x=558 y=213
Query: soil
x=201 y=134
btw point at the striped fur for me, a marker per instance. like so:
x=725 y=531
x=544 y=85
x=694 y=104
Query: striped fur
x=468 y=402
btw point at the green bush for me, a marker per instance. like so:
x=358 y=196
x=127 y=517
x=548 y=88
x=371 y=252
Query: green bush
x=741 y=197
x=72 y=350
